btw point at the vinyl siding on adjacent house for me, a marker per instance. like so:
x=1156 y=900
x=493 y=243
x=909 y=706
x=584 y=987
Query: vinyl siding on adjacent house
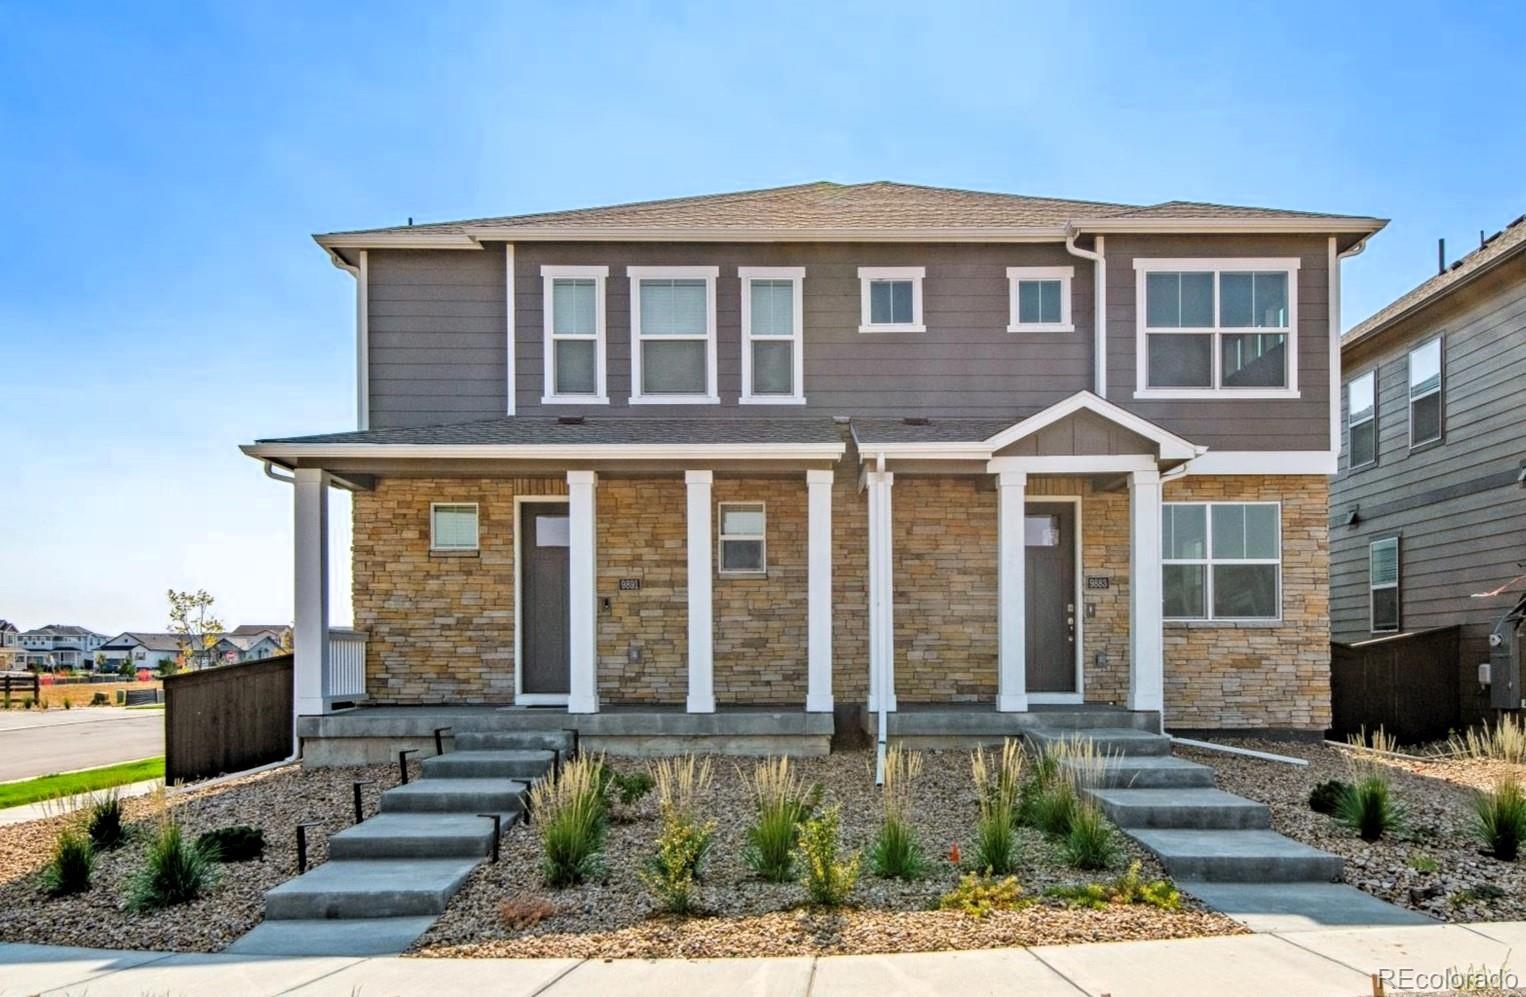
x=437 y=335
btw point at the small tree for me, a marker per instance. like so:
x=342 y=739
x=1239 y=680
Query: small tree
x=285 y=640
x=192 y=620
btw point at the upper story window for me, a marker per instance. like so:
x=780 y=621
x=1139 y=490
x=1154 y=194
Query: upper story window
x=673 y=335
x=1217 y=327
x=1362 y=420
x=1040 y=299
x=772 y=335
x=1425 y=393
x=574 y=343
x=1221 y=560
x=890 y=299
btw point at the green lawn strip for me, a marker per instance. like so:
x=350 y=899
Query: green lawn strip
x=146 y=706
x=48 y=787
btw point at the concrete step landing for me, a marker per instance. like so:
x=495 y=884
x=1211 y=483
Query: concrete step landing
x=404 y=835
x=1196 y=807
x=369 y=936
x=1155 y=772
x=1251 y=856
x=494 y=763
x=367 y=888
x=1110 y=742
x=455 y=796
x=514 y=740
x=1301 y=906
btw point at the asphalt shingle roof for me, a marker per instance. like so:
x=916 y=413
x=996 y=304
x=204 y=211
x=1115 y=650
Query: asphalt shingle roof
x=1497 y=248
x=868 y=432
x=531 y=431
x=824 y=205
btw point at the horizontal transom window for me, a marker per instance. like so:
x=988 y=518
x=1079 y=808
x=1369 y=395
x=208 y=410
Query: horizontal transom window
x=1221 y=560
x=1217 y=326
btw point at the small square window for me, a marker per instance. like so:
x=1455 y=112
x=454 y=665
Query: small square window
x=1040 y=299
x=891 y=299
x=743 y=538
x=453 y=526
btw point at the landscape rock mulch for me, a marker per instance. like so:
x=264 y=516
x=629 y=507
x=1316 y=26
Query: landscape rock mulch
x=275 y=801
x=744 y=916
x=1437 y=800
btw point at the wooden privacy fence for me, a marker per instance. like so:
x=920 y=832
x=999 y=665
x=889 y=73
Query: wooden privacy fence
x=15 y=683
x=1407 y=684
x=227 y=719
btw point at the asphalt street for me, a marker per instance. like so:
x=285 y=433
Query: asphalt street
x=36 y=742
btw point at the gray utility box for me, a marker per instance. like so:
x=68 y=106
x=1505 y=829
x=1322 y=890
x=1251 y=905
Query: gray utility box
x=1505 y=671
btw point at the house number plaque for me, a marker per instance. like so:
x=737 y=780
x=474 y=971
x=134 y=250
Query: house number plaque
x=1095 y=582
x=630 y=584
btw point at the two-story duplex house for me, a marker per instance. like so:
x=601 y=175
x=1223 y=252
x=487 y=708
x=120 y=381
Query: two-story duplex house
x=829 y=448
x=11 y=654
x=61 y=645
x=1428 y=512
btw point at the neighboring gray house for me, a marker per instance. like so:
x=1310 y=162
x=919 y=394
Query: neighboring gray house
x=831 y=448
x=1428 y=512
x=10 y=647
x=60 y=645
x=143 y=650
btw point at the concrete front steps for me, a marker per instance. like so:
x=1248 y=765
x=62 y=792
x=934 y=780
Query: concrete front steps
x=1218 y=846
x=395 y=872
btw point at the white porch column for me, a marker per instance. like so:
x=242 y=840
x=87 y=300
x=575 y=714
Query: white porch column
x=583 y=597
x=881 y=593
x=818 y=695
x=1011 y=593
x=310 y=629
x=1146 y=646
x=701 y=605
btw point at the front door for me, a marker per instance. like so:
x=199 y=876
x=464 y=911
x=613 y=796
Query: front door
x=1049 y=537
x=544 y=612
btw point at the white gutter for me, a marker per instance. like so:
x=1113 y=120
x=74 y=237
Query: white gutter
x=525 y=451
x=1099 y=307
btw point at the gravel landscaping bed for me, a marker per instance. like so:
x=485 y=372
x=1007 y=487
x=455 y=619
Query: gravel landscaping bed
x=1437 y=796
x=275 y=800
x=747 y=917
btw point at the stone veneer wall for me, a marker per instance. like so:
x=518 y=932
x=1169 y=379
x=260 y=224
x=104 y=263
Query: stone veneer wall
x=642 y=534
x=1260 y=675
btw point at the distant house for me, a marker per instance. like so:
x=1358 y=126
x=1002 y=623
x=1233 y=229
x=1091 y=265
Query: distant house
x=60 y=645
x=11 y=655
x=142 y=650
x=256 y=647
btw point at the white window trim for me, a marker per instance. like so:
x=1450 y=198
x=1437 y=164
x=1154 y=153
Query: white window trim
x=1440 y=390
x=1372 y=622
x=1209 y=562
x=549 y=275
x=796 y=275
x=708 y=275
x=1016 y=275
x=476 y=525
x=1351 y=465
x=721 y=537
x=867 y=275
x=1218 y=265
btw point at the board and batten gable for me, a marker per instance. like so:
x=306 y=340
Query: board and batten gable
x=1456 y=506
x=437 y=335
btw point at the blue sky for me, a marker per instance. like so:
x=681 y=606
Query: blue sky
x=161 y=168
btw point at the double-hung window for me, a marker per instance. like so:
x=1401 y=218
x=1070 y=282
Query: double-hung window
x=890 y=299
x=772 y=335
x=453 y=526
x=1425 y=393
x=1362 y=420
x=673 y=335
x=574 y=334
x=743 y=539
x=1226 y=327
x=1040 y=299
x=1221 y=560
x=1383 y=584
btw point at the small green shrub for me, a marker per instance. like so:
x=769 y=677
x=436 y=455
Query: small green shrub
x=1090 y=843
x=828 y=879
x=978 y=896
x=1369 y=808
x=69 y=868
x=572 y=816
x=672 y=874
x=1128 y=888
x=239 y=843
x=1422 y=862
x=680 y=782
x=1051 y=808
x=175 y=872
x=1325 y=798
x=1501 y=819
x=627 y=787
x=896 y=852
x=103 y=821
x=1477 y=893
x=783 y=803
x=1052 y=795
x=995 y=845
x=100 y=699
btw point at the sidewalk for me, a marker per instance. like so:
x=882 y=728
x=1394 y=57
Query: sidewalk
x=51 y=808
x=1331 y=963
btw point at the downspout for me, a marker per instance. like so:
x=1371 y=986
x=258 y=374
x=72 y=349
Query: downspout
x=1099 y=306
x=296 y=743
x=881 y=697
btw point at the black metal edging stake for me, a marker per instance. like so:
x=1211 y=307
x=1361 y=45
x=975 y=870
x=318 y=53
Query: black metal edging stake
x=302 y=844
x=497 y=830
x=574 y=732
x=402 y=764
x=439 y=742
x=360 y=813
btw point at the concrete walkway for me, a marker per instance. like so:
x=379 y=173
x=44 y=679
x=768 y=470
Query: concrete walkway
x=1326 y=963
x=51 y=808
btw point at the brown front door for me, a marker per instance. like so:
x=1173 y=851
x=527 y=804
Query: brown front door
x=543 y=602
x=1049 y=537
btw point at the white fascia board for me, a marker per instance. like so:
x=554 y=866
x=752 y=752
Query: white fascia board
x=1270 y=462
x=1172 y=447
x=974 y=450
x=507 y=451
x=1322 y=226
x=397 y=240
